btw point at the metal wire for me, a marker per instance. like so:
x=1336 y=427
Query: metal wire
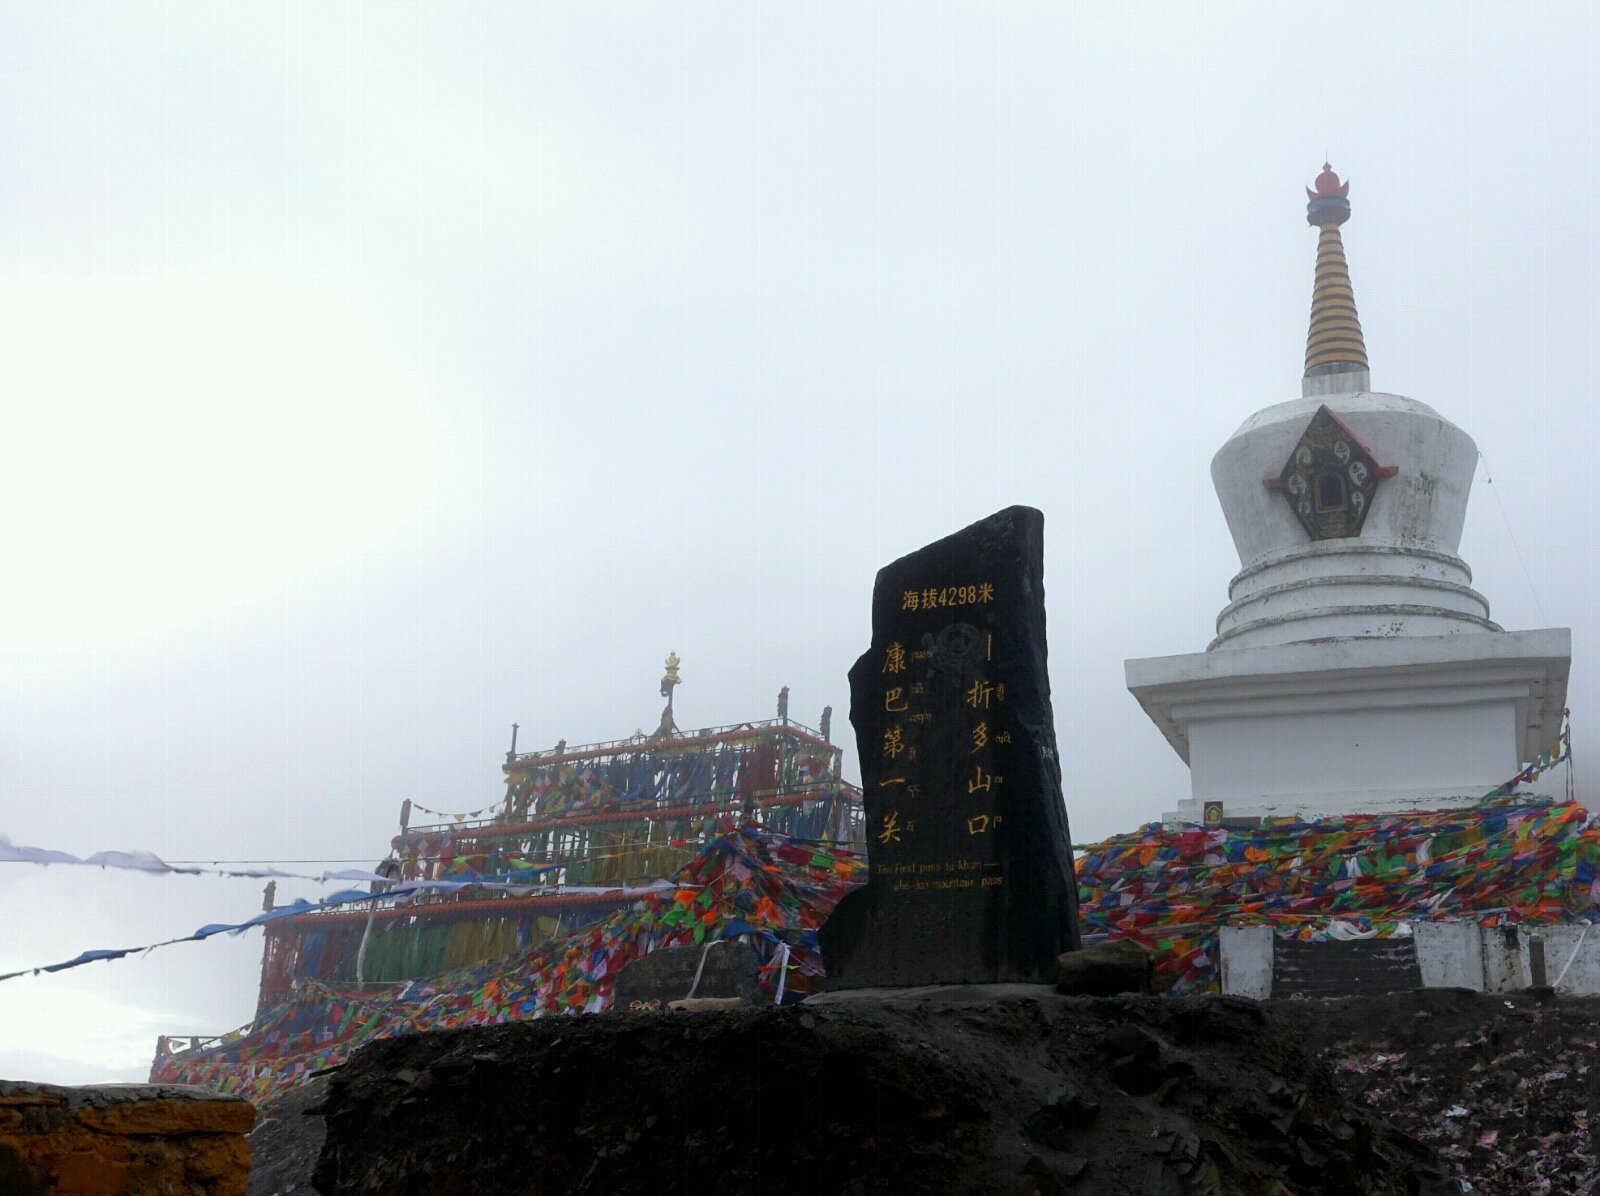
x=1515 y=547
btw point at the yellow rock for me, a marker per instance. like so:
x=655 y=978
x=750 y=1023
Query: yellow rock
x=122 y=1140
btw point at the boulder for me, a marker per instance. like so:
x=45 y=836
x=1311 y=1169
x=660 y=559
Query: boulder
x=716 y=970
x=1106 y=969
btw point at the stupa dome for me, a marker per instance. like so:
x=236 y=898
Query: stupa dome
x=1399 y=575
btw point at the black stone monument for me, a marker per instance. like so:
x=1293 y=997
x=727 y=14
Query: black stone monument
x=971 y=876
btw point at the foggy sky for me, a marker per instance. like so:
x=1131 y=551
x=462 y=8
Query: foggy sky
x=374 y=378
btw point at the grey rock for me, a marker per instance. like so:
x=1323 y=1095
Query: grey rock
x=1106 y=969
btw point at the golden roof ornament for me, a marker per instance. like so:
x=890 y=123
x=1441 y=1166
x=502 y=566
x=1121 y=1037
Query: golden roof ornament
x=671 y=681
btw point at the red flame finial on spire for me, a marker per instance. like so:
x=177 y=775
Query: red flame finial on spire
x=1328 y=184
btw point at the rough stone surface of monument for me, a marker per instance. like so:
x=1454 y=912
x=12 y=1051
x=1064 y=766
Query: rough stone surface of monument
x=971 y=875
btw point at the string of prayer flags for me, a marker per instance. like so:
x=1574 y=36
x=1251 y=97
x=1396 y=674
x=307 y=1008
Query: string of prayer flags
x=1560 y=750
x=335 y=901
x=148 y=861
x=460 y=817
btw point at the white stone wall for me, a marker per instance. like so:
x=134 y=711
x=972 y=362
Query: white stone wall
x=1247 y=961
x=1451 y=954
x=1574 y=950
x=1504 y=960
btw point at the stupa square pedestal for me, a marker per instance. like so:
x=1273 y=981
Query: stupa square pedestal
x=1326 y=727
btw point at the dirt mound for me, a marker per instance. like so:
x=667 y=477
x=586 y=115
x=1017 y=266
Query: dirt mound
x=1005 y=1089
x=1505 y=1086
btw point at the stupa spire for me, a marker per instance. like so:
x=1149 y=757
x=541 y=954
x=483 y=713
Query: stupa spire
x=1334 y=344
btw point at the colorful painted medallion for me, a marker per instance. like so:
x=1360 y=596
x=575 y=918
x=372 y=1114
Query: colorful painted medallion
x=1330 y=479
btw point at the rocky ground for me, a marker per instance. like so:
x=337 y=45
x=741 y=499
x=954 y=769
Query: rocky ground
x=1504 y=1086
x=987 y=1090
x=957 y=1091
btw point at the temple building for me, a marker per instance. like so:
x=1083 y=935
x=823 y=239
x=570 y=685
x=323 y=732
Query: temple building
x=1354 y=669
x=594 y=857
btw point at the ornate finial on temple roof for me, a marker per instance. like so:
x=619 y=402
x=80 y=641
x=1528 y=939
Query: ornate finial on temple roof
x=671 y=681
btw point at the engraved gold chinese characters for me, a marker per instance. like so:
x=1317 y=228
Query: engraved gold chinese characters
x=936 y=596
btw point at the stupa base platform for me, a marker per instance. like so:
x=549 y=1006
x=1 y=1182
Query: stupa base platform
x=1326 y=727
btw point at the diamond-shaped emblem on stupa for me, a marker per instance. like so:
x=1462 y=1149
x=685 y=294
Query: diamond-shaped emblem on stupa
x=1330 y=479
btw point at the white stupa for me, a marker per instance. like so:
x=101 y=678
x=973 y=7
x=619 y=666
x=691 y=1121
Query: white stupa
x=1355 y=669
